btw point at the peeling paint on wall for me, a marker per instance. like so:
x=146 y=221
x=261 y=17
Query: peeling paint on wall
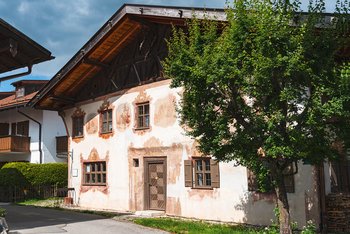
x=92 y=123
x=173 y=206
x=123 y=117
x=165 y=113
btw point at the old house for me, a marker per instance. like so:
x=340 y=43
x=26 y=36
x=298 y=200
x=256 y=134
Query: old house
x=127 y=148
x=22 y=135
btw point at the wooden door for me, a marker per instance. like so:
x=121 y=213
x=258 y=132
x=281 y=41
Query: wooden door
x=155 y=175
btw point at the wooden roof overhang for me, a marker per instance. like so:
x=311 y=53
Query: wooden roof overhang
x=17 y=50
x=99 y=51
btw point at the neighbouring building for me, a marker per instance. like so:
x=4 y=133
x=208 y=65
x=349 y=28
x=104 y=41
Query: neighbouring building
x=128 y=149
x=26 y=134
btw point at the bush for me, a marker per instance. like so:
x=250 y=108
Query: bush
x=22 y=174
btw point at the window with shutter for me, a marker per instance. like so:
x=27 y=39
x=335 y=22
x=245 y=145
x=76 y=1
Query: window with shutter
x=202 y=173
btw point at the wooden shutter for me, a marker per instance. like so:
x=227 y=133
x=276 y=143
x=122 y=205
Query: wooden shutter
x=215 y=173
x=188 y=173
x=252 y=182
x=4 y=129
x=289 y=179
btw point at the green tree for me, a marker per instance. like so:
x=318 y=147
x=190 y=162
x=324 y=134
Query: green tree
x=266 y=89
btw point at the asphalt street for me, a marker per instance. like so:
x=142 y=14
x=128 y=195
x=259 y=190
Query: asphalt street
x=35 y=220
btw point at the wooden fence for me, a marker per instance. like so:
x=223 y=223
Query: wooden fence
x=22 y=193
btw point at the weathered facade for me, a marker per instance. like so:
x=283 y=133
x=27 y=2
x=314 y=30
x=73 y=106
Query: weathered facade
x=128 y=149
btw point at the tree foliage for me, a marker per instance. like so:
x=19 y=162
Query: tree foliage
x=266 y=88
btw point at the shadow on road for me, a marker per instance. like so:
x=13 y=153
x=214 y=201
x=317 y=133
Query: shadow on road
x=28 y=217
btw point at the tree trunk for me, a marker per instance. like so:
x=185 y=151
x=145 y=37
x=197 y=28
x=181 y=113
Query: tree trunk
x=282 y=202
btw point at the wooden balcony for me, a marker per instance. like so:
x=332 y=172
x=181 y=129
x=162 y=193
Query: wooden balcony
x=14 y=144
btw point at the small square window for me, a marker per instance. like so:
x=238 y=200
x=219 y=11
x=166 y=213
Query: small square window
x=135 y=162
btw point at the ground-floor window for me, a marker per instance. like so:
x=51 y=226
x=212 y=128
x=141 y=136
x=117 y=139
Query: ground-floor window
x=202 y=172
x=95 y=173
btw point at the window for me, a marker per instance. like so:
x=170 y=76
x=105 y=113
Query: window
x=20 y=92
x=94 y=173
x=20 y=128
x=4 y=129
x=78 y=126
x=202 y=173
x=106 y=121
x=142 y=115
x=253 y=184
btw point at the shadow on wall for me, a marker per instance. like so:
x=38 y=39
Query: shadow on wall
x=258 y=208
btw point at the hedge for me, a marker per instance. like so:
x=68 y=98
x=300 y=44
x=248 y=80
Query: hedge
x=26 y=174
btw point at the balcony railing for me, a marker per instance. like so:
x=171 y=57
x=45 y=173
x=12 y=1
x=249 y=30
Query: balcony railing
x=14 y=144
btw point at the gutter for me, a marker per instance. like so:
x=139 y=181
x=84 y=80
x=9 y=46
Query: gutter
x=9 y=77
x=40 y=135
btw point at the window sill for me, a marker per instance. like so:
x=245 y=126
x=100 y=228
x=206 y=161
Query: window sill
x=106 y=135
x=203 y=188
x=77 y=137
x=95 y=185
x=140 y=129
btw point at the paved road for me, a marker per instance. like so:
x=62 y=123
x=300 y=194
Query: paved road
x=34 y=220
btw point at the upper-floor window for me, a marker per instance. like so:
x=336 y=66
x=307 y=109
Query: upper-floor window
x=106 y=121
x=20 y=128
x=142 y=115
x=78 y=126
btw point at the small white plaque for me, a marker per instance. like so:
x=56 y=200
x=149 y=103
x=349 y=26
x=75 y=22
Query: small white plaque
x=75 y=172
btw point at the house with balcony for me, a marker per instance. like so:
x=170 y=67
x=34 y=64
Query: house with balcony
x=26 y=134
x=128 y=149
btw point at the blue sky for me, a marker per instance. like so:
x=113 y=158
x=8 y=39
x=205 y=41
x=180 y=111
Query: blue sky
x=63 y=26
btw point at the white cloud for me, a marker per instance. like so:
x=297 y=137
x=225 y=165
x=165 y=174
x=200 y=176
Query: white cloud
x=23 y=7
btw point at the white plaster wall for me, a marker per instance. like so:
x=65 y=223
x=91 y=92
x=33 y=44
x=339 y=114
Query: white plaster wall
x=52 y=127
x=231 y=202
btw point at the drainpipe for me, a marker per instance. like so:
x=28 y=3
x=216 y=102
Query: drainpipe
x=40 y=151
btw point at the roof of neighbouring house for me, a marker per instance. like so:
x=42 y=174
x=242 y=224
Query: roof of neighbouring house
x=10 y=99
x=17 y=50
x=114 y=35
x=13 y=102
